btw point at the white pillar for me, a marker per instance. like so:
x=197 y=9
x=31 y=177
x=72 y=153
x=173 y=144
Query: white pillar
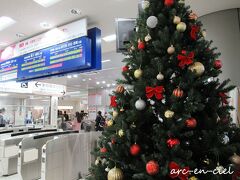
x=54 y=111
x=234 y=102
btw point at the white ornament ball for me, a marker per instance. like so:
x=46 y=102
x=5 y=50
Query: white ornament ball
x=181 y=27
x=138 y=73
x=176 y=20
x=140 y=104
x=171 y=49
x=148 y=38
x=225 y=139
x=152 y=102
x=152 y=21
x=107 y=169
x=145 y=4
x=160 y=77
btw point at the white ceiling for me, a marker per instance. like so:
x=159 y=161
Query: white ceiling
x=29 y=15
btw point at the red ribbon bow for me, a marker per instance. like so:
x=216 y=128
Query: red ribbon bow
x=194 y=30
x=185 y=59
x=223 y=97
x=177 y=172
x=157 y=91
x=113 y=101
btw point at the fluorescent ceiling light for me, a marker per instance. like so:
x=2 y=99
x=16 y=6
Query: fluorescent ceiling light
x=97 y=82
x=108 y=85
x=69 y=76
x=47 y=3
x=5 y=22
x=113 y=84
x=3 y=95
x=107 y=60
x=75 y=75
x=101 y=87
x=89 y=79
x=3 y=44
x=110 y=38
x=103 y=82
x=84 y=80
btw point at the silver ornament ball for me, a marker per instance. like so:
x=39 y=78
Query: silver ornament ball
x=140 y=104
x=152 y=21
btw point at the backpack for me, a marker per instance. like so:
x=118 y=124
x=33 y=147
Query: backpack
x=102 y=122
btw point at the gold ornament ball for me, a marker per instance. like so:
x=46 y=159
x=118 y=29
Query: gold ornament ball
x=204 y=34
x=171 y=49
x=181 y=27
x=235 y=159
x=121 y=133
x=115 y=114
x=176 y=20
x=110 y=123
x=138 y=73
x=147 y=38
x=115 y=174
x=193 y=178
x=97 y=162
x=197 y=68
x=169 y=114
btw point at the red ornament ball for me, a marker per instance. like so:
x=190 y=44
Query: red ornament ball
x=172 y=142
x=141 y=45
x=178 y=93
x=103 y=150
x=218 y=64
x=191 y=123
x=135 y=149
x=152 y=168
x=125 y=68
x=169 y=2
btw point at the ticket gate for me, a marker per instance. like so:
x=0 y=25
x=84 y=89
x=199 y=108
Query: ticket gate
x=30 y=153
x=9 y=149
x=68 y=157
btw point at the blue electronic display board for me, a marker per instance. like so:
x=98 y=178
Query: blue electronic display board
x=77 y=55
x=8 y=69
x=65 y=57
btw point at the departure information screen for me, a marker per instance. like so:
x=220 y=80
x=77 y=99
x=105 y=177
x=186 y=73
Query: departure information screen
x=64 y=57
x=8 y=69
x=78 y=55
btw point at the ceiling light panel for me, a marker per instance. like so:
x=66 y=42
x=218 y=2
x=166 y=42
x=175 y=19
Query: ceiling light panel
x=107 y=60
x=46 y=3
x=6 y=22
x=109 y=38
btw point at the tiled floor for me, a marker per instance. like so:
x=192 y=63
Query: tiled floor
x=13 y=177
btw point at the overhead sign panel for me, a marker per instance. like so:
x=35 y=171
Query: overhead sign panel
x=64 y=57
x=8 y=69
x=55 y=36
x=74 y=49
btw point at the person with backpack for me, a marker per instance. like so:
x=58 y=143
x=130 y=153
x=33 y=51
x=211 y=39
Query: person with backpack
x=100 y=122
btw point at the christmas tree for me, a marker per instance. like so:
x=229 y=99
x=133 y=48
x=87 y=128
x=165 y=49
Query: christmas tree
x=171 y=115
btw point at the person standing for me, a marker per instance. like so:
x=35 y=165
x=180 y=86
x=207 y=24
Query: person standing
x=100 y=122
x=2 y=120
x=66 y=116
